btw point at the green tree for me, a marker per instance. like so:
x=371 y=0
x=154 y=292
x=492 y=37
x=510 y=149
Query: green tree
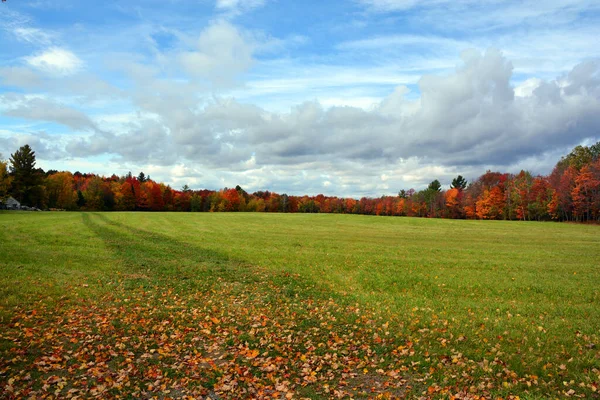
x=80 y=199
x=196 y=203
x=435 y=186
x=26 y=179
x=595 y=150
x=459 y=183
x=579 y=157
x=433 y=198
x=5 y=179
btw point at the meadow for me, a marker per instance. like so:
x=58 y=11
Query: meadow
x=254 y=305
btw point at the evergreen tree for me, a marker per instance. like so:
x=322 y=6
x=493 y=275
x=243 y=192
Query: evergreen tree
x=435 y=186
x=80 y=199
x=459 y=183
x=432 y=196
x=26 y=178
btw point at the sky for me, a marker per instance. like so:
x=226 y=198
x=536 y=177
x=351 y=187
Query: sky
x=348 y=98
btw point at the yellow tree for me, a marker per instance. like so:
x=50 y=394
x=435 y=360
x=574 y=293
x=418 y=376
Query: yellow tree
x=60 y=191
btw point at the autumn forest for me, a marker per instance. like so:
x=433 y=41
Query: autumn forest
x=570 y=193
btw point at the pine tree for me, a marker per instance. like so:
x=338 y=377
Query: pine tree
x=26 y=178
x=459 y=183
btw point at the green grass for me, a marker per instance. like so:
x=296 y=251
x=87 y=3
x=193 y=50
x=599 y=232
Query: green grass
x=440 y=306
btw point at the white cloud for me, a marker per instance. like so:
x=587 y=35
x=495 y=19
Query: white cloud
x=528 y=87
x=222 y=54
x=225 y=105
x=236 y=7
x=56 y=60
x=469 y=118
x=400 y=5
x=539 y=51
x=396 y=41
x=45 y=110
x=33 y=35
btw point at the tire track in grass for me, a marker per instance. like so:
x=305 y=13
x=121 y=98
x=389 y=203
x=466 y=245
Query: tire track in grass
x=179 y=320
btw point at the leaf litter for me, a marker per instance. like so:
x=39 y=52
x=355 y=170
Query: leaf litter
x=257 y=339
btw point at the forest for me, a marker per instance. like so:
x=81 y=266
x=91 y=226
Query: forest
x=570 y=193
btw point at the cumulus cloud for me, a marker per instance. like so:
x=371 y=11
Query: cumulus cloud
x=222 y=54
x=56 y=60
x=46 y=146
x=86 y=86
x=41 y=109
x=470 y=118
x=462 y=122
x=144 y=142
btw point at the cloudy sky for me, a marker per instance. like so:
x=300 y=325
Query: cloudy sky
x=346 y=97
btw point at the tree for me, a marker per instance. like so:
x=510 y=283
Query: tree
x=459 y=183
x=564 y=189
x=540 y=195
x=196 y=203
x=586 y=193
x=435 y=186
x=595 y=150
x=126 y=198
x=168 y=198
x=520 y=187
x=231 y=200
x=454 y=203
x=59 y=188
x=155 y=196
x=80 y=199
x=142 y=177
x=578 y=157
x=26 y=179
x=94 y=194
x=5 y=180
x=491 y=204
x=307 y=205
x=433 y=199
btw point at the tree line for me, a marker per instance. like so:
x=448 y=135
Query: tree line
x=570 y=193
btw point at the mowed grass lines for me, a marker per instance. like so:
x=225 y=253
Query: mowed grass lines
x=415 y=307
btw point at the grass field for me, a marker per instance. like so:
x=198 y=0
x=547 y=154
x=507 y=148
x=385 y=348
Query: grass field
x=164 y=305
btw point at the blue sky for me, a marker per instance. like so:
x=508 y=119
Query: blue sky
x=353 y=98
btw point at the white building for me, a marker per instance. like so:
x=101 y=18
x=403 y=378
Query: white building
x=12 y=204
